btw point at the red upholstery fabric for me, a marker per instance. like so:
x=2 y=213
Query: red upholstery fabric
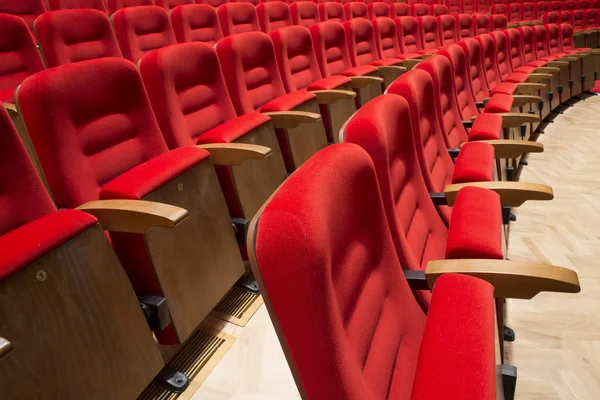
x=214 y=3
x=332 y=12
x=459 y=332
x=234 y=129
x=554 y=40
x=273 y=15
x=555 y=5
x=238 y=18
x=115 y=5
x=362 y=48
x=419 y=10
x=305 y=13
x=20 y=57
x=462 y=81
x=541 y=7
x=551 y=18
x=74 y=4
x=379 y=9
x=475 y=163
x=454 y=6
x=483 y=6
x=528 y=11
x=567 y=42
x=529 y=45
x=448 y=29
x=465 y=25
x=399 y=10
x=33 y=240
x=356 y=10
x=468 y=6
x=487 y=126
x=64 y=42
x=386 y=38
x=365 y=325
x=490 y=63
x=479 y=84
x=515 y=13
x=383 y=128
x=27 y=10
x=476 y=225
x=482 y=24
x=566 y=17
x=331 y=82
x=438 y=9
x=140 y=30
x=579 y=20
x=409 y=35
x=583 y=4
x=592 y=18
x=430 y=34
x=515 y=48
x=196 y=23
x=170 y=4
x=498 y=22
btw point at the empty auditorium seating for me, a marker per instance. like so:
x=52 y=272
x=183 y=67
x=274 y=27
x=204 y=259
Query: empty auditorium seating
x=567 y=45
x=551 y=18
x=448 y=29
x=481 y=24
x=553 y=51
x=238 y=18
x=528 y=14
x=331 y=49
x=388 y=46
x=514 y=14
x=399 y=10
x=114 y=5
x=58 y=270
x=498 y=22
x=566 y=17
x=299 y=70
x=418 y=10
x=355 y=10
x=261 y=90
x=72 y=4
x=97 y=139
x=438 y=9
x=142 y=29
x=465 y=25
x=556 y=5
x=305 y=13
x=273 y=15
x=62 y=41
x=541 y=7
x=214 y=3
x=430 y=34
x=378 y=9
x=483 y=6
x=195 y=23
x=454 y=6
x=28 y=10
x=467 y=6
x=410 y=37
x=332 y=12
x=170 y=4
x=188 y=117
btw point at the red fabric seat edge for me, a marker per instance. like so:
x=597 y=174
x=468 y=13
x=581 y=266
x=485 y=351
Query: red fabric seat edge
x=486 y=127
x=288 y=101
x=475 y=163
x=234 y=129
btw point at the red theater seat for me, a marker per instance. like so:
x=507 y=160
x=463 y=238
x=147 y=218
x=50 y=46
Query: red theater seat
x=63 y=42
x=399 y=10
x=410 y=37
x=438 y=9
x=388 y=46
x=115 y=5
x=379 y=9
x=389 y=327
x=27 y=10
x=430 y=34
x=551 y=18
x=97 y=139
x=468 y=6
x=72 y=4
x=465 y=25
x=540 y=8
x=483 y=6
x=482 y=24
x=273 y=15
x=514 y=14
x=142 y=29
x=499 y=22
x=171 y=4
x=418 y=10
x=332 y=12
x=454 y=6
x=448 y=29
x=356 y=10
x=529 y=13
x=238 y=18
x=566 y=17
x=196 y=23
x=556 y=6
x=305 y=13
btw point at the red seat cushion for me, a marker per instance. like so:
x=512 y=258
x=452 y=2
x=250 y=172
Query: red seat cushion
x=410 y=56
x=360 y=71
x=234 y=129
x=536 y=63
x=517 y=77
x=332 y=82
x=386 y=61
x=499 y=103
x=151 y=175
x=505 y=88
x=475 y=163
x=476 y=226
x=29 y=242
x=486 y=127
x=288 y=102
x=526 y=69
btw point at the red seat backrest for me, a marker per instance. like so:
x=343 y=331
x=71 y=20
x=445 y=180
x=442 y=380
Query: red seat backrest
x=332 y=12
x=250 y=68
x=465 y=98
x=591 y=18
x=515 y=48
x=448 y=29
x=551 y=17
x=114 y=5
x=86 y=138
x=409 y=35
x=329 y=41
x=498 y=22
x=583 y=4
x=468 y=6
x=142 y=29
x=567 y=41
x=273 y=15
x=596 y=4
x=418 y=10
x=554 y=39
x=556 y=5
x=20 y=57
x=214 y=3
x=343 y=324
x=361 y=41
x=438 y=9
x=541 y=41
x=379 y=9
x=515 y=13
x=63 y=42
x=483 y=6
x=541 y=7
x=490 y=63
x=502 y=54
x=399 y=10
x=296 y=58
x=356 y=10
x=305 y=13
x=482 y=24
x=499 y=2
x=566 y=17
x=386 y=37
x=72 y=4
x=501 y=9
x=196 y=23
x=237 y=18
x=473 y=52
x=529 y=44
x=454 y=6
x=28 y=10
x=464 y=25
x=179 y=94
x=528 y=11
x=569 y=5
x=170 y=4
x=579 y=19
x=430 y=33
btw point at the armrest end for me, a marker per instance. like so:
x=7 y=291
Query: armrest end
x=235 y=153
x=512 y=194
x=364 y=81
x=291 y=119
x=6 y=347
x=333 y=96
x=514 y=148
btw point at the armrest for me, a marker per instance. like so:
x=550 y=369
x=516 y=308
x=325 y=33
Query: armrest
x=468 y=124
x=135 y=216
x=11 y=108
x=416 y=279
x=333 y=96
x=557 y=64
x=569 y=58
x=513 y=148
x=411 y=62
x=528 y=87
x=291 y=119
x=480 y=104
x=364 y=81
x=536 y=78
x=511 y=279
x=513 y=120
x=520 y=100
x=235 y=153
x=547 y=70
x=512 y=194
x=6 y=346
x=424 y=56
x=391 y=68
x=438 y=198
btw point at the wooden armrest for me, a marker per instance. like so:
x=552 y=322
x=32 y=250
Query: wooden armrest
x=333 y=96
x=512 y=194
x=11 y=108
x=364 y=81
x=557 y=63
x=391 y=68
x=536 y=78
x=235 y=153
x=411 y=63
x=547 y=70
x=511 y=279
x=5 y=348
x=528 y=87
x=520 y=100
x=291 y=119
x=569 y=58
x=512 y=120
x=135 y=216
x=513 y=148
x=424 y=56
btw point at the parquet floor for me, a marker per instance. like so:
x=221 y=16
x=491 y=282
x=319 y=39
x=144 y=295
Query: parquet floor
x=557 y=351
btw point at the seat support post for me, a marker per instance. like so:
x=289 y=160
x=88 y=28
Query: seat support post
x=174 y=380
x=509 y=381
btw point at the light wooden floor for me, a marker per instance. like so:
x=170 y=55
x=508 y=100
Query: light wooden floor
x=557 y=351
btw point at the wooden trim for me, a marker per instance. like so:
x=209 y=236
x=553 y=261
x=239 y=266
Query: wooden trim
x=511 y=279
x=547 y=70
x=557 y=63
x=536 y=78
x=513 y=120
x=520 y=100
x=291 y=119
x=528 y=87
x=5 y=348
x=11 y=108
x=410 y=63
x=333 y=96
x=569 y=58
x=391 y=69
x=364 y=81
x=513 y=148
x=135 y=216
x=235 y=153
x=512 y=194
